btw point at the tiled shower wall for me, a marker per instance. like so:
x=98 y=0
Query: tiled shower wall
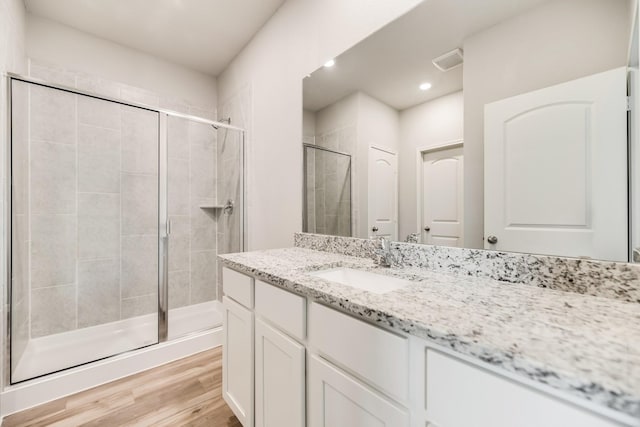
x=238 y=108
x=310 y=189
x=331 y=207
x=193 y=240
x=93 y=172
x=92 y=210
x=20 y=240
x=328 y=192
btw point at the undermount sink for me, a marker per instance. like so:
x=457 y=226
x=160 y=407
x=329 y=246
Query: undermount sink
x=366 y=280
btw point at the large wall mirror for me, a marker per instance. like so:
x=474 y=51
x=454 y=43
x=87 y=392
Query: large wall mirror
x=499 y=124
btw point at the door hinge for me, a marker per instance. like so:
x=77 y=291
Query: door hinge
x=628 y=103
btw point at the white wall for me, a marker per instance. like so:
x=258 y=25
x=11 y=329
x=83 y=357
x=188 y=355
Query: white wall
x=554 y=43
x=12 y=59
x=56 y=44
x=341 y=113
x=378 y=124
x=426 y=125
x=299 y=38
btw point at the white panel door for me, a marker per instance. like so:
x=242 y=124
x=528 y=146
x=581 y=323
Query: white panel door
x=555 y=169
x=383 y=193
x=237 y=360
x=337 y=400
x=280 y=379
x=442 y=198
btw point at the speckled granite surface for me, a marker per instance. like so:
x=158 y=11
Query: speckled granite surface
x=584 y=345
x=589 y=277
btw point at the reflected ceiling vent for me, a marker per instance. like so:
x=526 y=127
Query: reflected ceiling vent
x=449 y=60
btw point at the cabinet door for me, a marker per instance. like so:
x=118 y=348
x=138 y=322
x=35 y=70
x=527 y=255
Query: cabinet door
x=337 y=400
x=280 y=379
x=376 y=356
x=461 y=395
x=237 y=360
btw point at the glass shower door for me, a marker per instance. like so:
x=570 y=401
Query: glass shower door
x=84 y=229
x=230 y=181
x=191 y=155
x=327 y=192
x=205 y=215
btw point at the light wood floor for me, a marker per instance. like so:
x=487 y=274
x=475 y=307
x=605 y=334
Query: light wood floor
x=187 y=392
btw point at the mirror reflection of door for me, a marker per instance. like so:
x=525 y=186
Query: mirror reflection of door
x=380 y=92
x=383 y=193
x=442 y=197
x=556 y=171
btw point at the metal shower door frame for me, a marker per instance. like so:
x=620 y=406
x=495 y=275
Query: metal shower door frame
x=163 y=223
x=305 y=225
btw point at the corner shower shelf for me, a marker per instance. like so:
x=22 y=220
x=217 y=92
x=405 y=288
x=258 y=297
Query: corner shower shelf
x=227 y=207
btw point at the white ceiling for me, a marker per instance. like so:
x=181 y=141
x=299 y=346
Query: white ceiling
x=204 y=35
x=390 y=64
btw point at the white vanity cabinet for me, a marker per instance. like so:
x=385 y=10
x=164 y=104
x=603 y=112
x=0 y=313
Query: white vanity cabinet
x=460 y=395
x=267 y=325
x=291 y=362
x=358 y=372
x=337 y=399
x=280 y=378
x=237 y=360
x=237 y=349
x=279 y=359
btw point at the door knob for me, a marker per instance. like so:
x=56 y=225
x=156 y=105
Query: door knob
x=374 y=229
x=427 y=229
x=492 y=240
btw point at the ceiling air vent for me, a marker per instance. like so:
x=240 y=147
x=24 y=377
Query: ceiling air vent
x=449 y=60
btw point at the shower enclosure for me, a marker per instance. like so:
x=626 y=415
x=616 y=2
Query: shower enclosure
x=327 y=191
x=116 y=213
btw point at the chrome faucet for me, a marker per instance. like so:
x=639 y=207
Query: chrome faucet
x=382 y=255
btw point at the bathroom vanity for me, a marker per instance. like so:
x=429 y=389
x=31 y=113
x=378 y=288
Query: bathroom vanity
x=436 y=349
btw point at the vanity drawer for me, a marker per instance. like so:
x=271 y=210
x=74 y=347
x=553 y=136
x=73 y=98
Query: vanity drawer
x=238 y=286
x=460 y=394
x=284 y=309
x=377 y=356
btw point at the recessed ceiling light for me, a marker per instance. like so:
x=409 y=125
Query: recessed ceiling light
x=330 y=63
x=425 y=86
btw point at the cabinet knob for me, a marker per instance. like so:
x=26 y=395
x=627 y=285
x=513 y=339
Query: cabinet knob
x=427 y=229
x=374 y=228
x=492 y=240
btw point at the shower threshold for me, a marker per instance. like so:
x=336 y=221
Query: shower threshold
x=65 y=350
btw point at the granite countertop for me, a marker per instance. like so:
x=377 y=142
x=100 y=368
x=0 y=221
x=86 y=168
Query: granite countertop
x=585 y=345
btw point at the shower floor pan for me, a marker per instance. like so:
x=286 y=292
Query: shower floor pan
x=56 y=352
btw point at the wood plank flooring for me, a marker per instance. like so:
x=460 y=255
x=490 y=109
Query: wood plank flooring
x=187 y=392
